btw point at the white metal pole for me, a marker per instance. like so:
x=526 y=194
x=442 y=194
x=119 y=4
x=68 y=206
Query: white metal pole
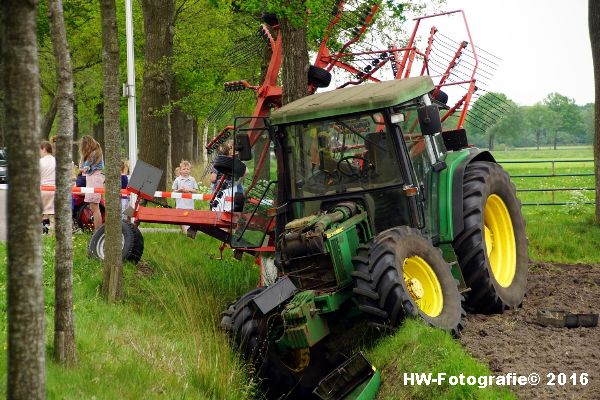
x=130 y=90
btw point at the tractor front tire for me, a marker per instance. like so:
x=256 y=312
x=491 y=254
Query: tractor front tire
x=492 y=247
x=249 y=331
x=132 y=244
x=401 y=274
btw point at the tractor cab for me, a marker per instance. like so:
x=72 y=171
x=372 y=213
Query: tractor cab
x=374 y=145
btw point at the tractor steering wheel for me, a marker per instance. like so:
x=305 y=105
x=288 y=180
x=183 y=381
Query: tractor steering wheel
x=353 y=173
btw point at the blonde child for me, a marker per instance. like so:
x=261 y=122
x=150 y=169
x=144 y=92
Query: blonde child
x=185 y=183
x=91 y=165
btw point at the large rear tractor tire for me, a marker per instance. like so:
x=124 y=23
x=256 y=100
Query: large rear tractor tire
x=291 y=376
x=132 y=244
x=401 y=274
x=492 y=248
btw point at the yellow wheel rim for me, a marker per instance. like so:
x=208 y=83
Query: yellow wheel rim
x=423 y=285
x=500 y=240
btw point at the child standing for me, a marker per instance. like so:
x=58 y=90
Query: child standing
x=91 y=165
x=185 y=183
x=47 y=177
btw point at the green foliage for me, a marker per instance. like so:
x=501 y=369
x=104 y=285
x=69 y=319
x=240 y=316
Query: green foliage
x=566 y=117
x=494 y=118
x=205 y=34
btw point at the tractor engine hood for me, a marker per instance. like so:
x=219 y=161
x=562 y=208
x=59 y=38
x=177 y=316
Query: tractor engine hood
x=305 y=236
x=316 y=251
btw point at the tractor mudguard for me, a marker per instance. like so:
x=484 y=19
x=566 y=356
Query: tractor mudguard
x=454 y=221
x=457 y=187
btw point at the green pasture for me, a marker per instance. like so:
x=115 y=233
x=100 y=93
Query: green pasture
x=574 y=197
x=565 y=233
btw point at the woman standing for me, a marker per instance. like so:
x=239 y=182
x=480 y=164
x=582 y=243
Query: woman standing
x=47 y=177
x=91 y=165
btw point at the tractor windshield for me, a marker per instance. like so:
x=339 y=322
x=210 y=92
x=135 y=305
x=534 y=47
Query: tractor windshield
x=341 y=155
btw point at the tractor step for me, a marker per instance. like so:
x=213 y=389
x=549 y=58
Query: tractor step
x=355 y=378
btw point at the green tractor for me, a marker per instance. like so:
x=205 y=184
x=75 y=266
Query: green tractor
x=373 y=213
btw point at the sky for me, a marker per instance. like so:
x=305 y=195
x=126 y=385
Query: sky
x=544 y=45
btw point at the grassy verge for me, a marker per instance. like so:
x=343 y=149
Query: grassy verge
x=418 y=348
x=163 y=340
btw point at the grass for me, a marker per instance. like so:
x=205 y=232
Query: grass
x=547 y=168
x=418 y=348
x=562 y=235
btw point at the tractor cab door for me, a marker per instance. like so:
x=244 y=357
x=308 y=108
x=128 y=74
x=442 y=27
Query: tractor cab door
x=426 y=153
x=253 y=189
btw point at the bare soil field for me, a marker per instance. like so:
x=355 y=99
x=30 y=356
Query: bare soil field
x=514 y=342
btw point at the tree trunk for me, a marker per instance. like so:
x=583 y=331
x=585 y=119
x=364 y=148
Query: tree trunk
x=98 y=127
x=294 y=61
x=204 y=142
x=188 y=137
x=177 y=136
x=155 y=135
x=555 y=139
x=25 y=291
x=2 y=91
x=594 y=28
x=491 y=138
x=64 y=324
x=195 y=140
x=49 y=118
x=75 y=147
x=112 y=286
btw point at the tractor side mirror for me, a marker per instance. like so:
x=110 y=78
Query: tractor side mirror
x=243 y=149
x=429 y=120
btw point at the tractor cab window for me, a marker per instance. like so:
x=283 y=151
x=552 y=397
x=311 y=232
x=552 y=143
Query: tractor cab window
x=422 y=159
x=408 y=121
x=340 y=155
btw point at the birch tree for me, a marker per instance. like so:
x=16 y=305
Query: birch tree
x=25 y=292
x=112 y=286
x=64 y=324
x=594 y=28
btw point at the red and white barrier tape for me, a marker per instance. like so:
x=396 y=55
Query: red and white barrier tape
x=172 y=195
